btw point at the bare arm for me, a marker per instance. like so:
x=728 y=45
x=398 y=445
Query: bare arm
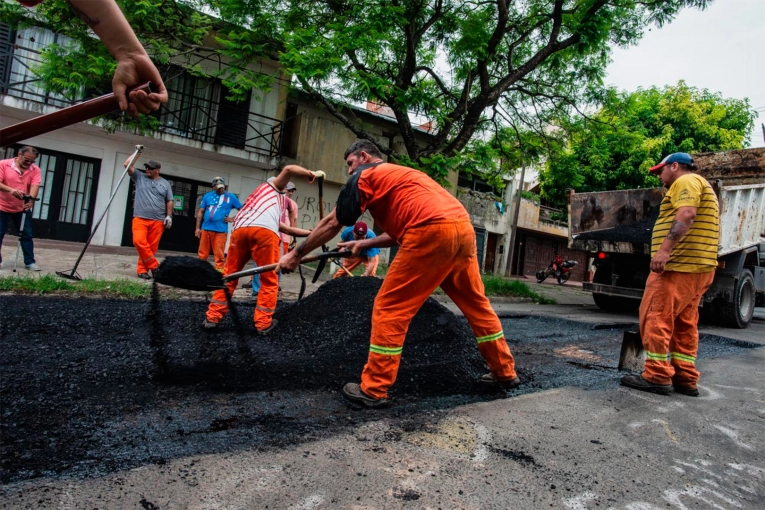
x=681 y=224
x=200 y=215
x=281 y=180
x=131 y=170
x=324 y=231
x=293 y=215
x=133 y=63
x=170 y=204
x=293 y=231
x=381 y=241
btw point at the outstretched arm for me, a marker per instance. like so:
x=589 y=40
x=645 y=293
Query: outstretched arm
x=281 y=180
x=131 y=169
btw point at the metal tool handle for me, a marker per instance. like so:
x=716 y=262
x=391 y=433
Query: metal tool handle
x=271 y=267
x=64 y=117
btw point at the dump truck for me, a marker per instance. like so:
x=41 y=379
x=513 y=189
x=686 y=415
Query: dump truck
x=615 y=228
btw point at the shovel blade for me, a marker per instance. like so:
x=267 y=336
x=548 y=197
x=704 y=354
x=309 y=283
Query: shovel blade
x=319 y=269
x=632 y=355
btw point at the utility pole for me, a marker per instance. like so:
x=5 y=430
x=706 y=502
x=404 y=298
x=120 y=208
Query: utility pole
x=511 y=251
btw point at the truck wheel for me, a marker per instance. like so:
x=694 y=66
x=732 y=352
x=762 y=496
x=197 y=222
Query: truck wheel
x=738 y=313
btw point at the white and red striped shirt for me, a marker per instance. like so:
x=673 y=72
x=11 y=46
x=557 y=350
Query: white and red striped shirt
x=263 y=208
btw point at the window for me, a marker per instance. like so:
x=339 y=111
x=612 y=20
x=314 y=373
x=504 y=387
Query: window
x=24 y=52
x=192 y=109
x=475 y=183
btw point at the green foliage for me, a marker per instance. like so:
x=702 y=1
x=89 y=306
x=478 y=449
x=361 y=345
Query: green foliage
x=615 y=147
x=49 y=284
x=498 y=286
x=517 y=64
x=528 y=195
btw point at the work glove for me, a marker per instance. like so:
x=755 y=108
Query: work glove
x=168 y=222
x=318 y=174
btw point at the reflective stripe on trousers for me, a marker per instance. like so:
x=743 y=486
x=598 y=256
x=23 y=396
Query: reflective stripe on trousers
x=450 y=249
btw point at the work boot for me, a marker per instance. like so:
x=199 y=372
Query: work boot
x=638 y=383
x=270 y=328
x=510 y=384
x=209 y=324
x=687 y=390
x=353 y=392
x=144 y=276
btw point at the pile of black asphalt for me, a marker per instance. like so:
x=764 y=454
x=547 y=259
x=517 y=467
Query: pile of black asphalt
x=93 y=386
x=639 y=232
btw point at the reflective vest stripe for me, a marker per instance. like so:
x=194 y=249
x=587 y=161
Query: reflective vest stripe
x=218 y=302
x=264 y=309
x=655 y=356
x=490 y=338
x=387 y=351
x=683 y=357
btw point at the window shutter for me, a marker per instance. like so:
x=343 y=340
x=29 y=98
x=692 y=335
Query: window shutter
x=232 y=121
x=7 y=36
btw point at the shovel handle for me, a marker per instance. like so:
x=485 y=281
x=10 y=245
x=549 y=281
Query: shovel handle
x=63 y=118
x=271 y=267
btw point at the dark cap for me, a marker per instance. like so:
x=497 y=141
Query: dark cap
x=152 y=165
x=360 y=229
x=290 y=186
x=677 y=157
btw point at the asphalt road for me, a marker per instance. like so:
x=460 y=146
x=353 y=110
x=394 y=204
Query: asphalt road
x=572 y=446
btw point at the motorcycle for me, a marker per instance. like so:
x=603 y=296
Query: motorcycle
x=561 y=270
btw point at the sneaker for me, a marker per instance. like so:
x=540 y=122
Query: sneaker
x=33 y=267
x=209 y=325
x=144 y=276
x=353 y=392
x=638 y=383
x=508 y=385
x=270 y=328
x=685 y=390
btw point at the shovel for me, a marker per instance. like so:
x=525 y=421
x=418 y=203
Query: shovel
x=632 y=355
x=195 y=274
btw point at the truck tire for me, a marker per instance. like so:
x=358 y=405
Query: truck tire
x=738 y=313
x=617 y=304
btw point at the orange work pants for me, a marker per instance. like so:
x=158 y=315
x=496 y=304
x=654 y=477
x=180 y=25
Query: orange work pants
x=215 y=241
x=146 y=236
x=450 y=248
x=247 y=243
x=669 y=316
x=351 y=263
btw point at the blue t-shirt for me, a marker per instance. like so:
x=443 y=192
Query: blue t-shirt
x=347 y=235
x=217 y=207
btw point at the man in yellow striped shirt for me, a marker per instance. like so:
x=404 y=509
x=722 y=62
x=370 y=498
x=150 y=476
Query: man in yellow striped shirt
x=683 y=261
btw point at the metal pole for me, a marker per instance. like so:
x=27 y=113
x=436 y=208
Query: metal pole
x=138 y=150
x=511 y=252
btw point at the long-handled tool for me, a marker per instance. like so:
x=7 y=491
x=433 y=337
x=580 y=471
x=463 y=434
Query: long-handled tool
x=27 y=199
x=65 y=117
x=195 y=274
x=73 y=275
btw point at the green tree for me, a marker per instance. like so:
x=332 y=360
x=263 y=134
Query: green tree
x=469 y=66
x=631 y=132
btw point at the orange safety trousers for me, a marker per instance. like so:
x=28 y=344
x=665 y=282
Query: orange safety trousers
x=450 y=249
x=146 y=236
x=669 y=316
x=215 y=241
x=250 y=243
x=351 y=263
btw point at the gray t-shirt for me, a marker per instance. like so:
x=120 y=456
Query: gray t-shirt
x=151 y=197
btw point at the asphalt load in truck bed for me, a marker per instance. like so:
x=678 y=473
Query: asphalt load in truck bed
x=639 y=232
x=93 y=386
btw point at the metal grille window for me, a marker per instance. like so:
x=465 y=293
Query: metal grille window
x=192 y=109
x=75 y=199
x=24 y=53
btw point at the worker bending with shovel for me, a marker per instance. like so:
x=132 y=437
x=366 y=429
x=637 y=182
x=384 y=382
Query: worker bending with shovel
x=369 y=257
x=256 y=237
x=429 y=225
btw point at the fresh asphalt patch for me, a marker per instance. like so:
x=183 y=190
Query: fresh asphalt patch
x=93 y=386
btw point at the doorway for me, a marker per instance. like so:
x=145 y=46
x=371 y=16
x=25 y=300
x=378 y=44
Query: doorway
x=491 y=250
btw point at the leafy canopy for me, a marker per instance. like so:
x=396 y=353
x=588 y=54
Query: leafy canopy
x=471 y=67
x=631 y=132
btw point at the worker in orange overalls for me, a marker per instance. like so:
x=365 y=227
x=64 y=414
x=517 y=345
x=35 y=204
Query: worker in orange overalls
x=256 y=237
x=152 y=214
x=428 y=224
x=683 y=263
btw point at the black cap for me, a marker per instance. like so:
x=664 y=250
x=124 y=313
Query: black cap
x=152 y=165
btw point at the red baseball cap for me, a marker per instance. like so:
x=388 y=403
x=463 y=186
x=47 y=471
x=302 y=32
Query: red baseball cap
x=360 y=229
x=677 y=157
